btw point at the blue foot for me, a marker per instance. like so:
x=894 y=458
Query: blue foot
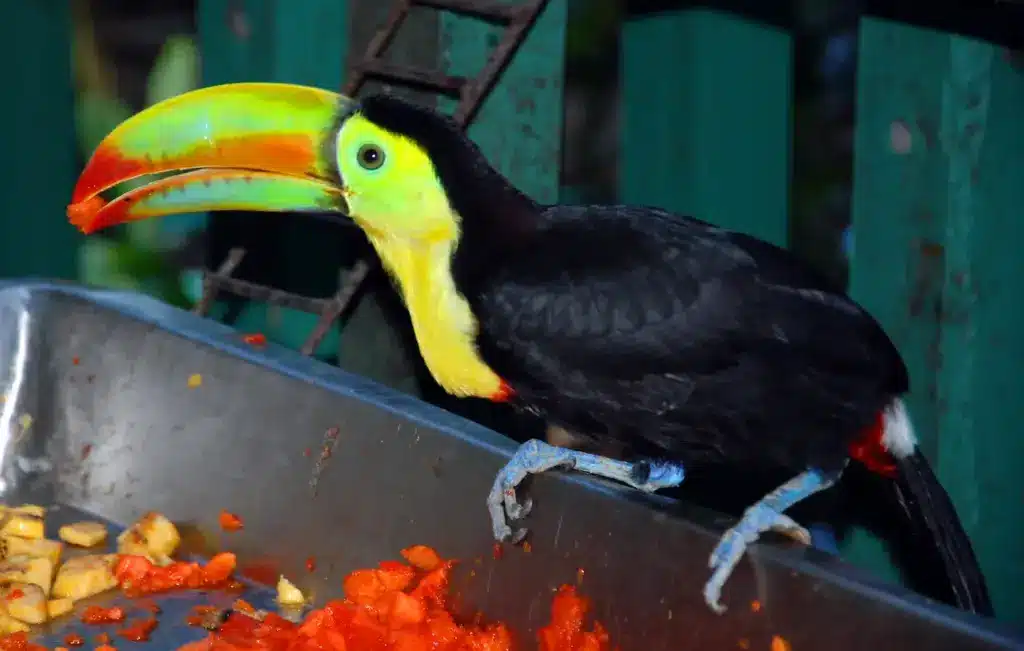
x=536 y=456
x=763 y=516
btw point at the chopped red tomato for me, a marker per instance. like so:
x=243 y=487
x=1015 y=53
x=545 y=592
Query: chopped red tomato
x=230 y=522
x=101 y=615
x=421 y=557
x=255 y=339
x=310 y=564
x=139 y=631
x=74 y=639
x=18 y=642
x=399 y=607
x=137 y=575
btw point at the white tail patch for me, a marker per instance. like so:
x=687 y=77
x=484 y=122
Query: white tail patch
x=898 y=432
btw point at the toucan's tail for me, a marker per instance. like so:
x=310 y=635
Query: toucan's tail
x=931 y=514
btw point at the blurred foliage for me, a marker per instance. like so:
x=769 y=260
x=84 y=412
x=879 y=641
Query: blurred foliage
x=136 y=256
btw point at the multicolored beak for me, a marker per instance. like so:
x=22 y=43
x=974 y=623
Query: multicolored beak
x=249 y=146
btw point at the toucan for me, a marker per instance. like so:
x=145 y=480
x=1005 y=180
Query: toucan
x=684 y=344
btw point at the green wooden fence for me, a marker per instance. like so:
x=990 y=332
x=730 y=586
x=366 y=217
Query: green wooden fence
x=938 y=186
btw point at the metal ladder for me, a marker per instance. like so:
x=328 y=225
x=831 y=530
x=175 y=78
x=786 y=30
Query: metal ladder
x=517 y=20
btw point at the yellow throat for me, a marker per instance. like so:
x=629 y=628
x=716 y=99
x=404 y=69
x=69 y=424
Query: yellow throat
x=445 y=326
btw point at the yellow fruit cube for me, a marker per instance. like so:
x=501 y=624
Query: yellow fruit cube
x=25 y=602
x=85 y=576
x=83 y=534
x=25 y=569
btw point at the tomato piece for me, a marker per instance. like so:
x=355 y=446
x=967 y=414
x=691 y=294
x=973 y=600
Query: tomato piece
x=100 y=615
x=422 y=557
x=230 y=522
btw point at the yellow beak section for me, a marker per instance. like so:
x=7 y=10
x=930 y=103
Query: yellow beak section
x=260 y=147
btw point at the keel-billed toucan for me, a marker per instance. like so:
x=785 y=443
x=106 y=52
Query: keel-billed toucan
x=685 y=343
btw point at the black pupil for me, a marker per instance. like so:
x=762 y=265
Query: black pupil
x=371 y=155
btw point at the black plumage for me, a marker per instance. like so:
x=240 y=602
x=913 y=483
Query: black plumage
x=679 y=339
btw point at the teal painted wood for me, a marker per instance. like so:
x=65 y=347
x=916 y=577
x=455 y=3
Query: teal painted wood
x=938 y=191
x=519 y=125
x=706 y=119
x=292 y=42
x=39 y=169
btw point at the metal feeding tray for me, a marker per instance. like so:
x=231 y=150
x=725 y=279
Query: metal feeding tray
x=325 y=464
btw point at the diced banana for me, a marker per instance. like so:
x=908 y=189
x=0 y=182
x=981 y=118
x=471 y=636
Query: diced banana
x=34 y=548
x=25 y=569
x=288 y=594
x=30 y=509
x=22 y=525
x=153 y=535
x=25 y=602
x=10 y=625
x=58 y=607
x=85 y=576
x=83 y=534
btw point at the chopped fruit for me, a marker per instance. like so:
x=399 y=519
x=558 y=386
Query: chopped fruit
x=24 y=569
x=83 y=534
x=59 y=607
x=139 y=631
x=101 y=615
x=421 y=557
x=34 y=510
x=22 y=525
x=85 y=576
x=9 y=625
x=400 y=607
x=138 y=575
x=230 y=521
x=780 y=643
x=33 y=548
x=195 y=381
x=255 y=339
x=153 y=535
x=25 y=602
x=288 y=594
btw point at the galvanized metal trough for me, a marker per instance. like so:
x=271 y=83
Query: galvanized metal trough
x=117 y=429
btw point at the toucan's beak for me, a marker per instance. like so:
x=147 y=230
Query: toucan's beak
x=261 y=147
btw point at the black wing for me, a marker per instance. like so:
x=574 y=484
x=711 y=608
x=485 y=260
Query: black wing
x=622 y=311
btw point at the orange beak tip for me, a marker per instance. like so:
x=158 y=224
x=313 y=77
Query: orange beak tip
x=83 y=214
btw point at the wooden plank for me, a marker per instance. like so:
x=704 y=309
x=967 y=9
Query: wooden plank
x=519 y=125
x=706 y=124
x=40 y=145
x=937 y=194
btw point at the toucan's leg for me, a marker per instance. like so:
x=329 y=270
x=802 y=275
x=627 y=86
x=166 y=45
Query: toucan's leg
x=766 y=514
x=536 y=456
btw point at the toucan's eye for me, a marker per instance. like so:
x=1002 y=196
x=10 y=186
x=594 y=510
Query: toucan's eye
x=370 y=157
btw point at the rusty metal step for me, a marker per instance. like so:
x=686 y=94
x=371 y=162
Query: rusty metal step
x=436 y=82
x=491 y=10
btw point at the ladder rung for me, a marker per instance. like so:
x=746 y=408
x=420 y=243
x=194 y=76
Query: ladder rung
x=486 y=9
x=436 y=81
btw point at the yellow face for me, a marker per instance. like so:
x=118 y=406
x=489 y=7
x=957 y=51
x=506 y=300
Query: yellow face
x=391 y=186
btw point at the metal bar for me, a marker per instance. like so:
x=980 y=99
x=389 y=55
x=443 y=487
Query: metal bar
x=277 y=297
x=377 y=46
x=437 y=82
x=477 y=89
x=490 y=10
x=211 y=280
x=337 y=306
